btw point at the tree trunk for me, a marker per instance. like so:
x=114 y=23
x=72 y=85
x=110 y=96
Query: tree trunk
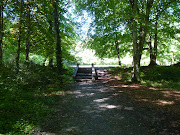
x=118 y=54
x=57 y=39
x=44 y=62
x=1 y=32
x=155 y=39
x=153 y=56
x=144 y=27
x=136 y=59
x=50 y=62
x=19 y=38
x=51 y=47
x=150 y=47
x=138 y=47
x=28 y=31
x=151 y=51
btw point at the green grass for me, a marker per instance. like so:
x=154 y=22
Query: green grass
x=162 y=76
x=157 y=76
x=27 y=99
x=125 y=73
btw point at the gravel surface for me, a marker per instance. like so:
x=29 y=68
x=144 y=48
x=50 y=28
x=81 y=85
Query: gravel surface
x=96 y=108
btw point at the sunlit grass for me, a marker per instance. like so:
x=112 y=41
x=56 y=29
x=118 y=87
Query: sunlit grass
x=158 y=76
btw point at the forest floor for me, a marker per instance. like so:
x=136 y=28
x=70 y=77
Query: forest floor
x=111 y=106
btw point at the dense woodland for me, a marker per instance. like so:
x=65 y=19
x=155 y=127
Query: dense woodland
x=47 y=29
x=37 y=37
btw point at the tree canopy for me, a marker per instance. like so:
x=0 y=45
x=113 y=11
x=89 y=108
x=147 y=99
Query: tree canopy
x=48 y=28
x=35 y=28
x=134 y=26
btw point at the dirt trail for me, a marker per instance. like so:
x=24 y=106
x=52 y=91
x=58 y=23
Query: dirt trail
x=97 y=108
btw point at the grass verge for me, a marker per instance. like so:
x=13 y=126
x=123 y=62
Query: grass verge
x=157 y=76
x=27 y=98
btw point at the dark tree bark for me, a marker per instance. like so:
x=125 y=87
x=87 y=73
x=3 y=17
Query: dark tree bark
x=19 y=38
x=50 y=62
x=1 y=32
x=138 y=46
x=57 y=39
x=150 y=47
x=44 y=62
x=153 y=49
x=117 y=49
x=28 y=19
x=51 y=46
x=156 y=39
x=136 y=59
x=118 y=53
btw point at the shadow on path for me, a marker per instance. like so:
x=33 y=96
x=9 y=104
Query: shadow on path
x=95 y=108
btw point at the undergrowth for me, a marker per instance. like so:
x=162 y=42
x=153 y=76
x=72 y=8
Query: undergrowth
x=157 y=76
x=162 y=76
x=27 y=98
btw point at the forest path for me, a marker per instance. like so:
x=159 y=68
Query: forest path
x=97 y=108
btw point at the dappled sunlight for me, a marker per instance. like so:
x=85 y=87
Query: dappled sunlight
x=101 y=100
x=163 y=102
x=107 y=106
x=155 y=89
x=163 y=97
x=95 y=105
x=157 y=102
x=175 y=94
x=72 y=130
x=99 y=107
x=130 y=86
x=84 y=94
x=142 y=99
x=79 y=93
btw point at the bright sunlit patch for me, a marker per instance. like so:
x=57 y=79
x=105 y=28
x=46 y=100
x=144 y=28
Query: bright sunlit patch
x=125 y=86
x=107 y=106
x=90 y=94
x=100 y=100
x=134 y=86
x=163 y=102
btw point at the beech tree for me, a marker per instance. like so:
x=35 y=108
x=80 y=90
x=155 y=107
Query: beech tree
x=19 y=33
x=141 y=19
x=1 y=30
x=57 y=38
x=140 y=15
x=28 y=28
x=43 y=28
x=162 y=17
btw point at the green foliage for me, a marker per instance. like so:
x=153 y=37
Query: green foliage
x=112 y=21
x=157 y=76
x=159 y=73
x=160 y=76
x=39 y=29
x=124 y=73
x=26 y=98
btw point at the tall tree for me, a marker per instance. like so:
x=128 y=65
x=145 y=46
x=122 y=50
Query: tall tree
x=140 y=14
x=28 y=26
x=1 y=30
x=159 y=11
x=57 y=38
x=136 y=59
x=106 y=34
x=153 y=49
x=51 y=52
x=19 y=34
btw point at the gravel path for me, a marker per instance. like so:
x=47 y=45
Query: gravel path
x=96 y=108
